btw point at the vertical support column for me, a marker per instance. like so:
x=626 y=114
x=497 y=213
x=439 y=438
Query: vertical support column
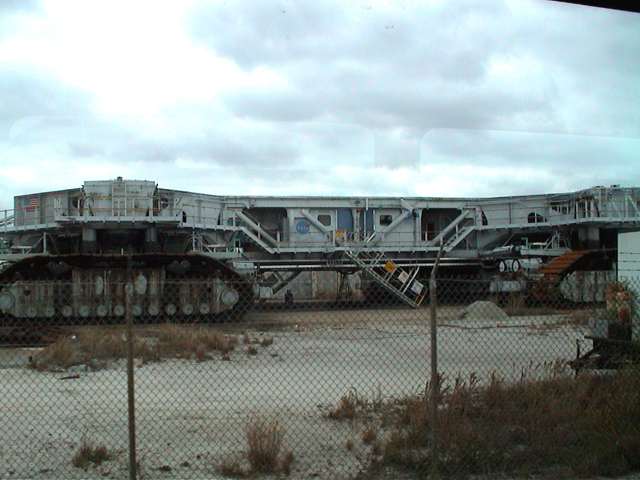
x=89 y=240
x=314 y=284
x=589 y=237
x=151 y=244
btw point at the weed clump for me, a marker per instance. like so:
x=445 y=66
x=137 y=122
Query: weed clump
x=349 y=407
x=369 y=436
x=264 y=438
x=95 y=347
x=89 y=454
x=586 y=425
x=231 y=468
x=185 y=342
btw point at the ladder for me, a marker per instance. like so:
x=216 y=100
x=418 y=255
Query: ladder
x=400 y=282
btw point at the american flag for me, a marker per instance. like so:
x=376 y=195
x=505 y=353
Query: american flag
x=31 y=204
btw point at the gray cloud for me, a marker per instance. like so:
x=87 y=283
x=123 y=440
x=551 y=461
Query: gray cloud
x=213 y=142
x=401 y=94
x=523 y=162
x=402 y=71
x=12 y=6
x=11 y=14
x=430 y=67
x=26 y=92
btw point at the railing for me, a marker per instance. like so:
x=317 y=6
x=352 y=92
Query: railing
x=6 y=219
x=594 y=206
x=599 y=205
x=109 y=207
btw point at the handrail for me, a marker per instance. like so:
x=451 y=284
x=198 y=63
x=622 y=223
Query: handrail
x=257 y=222
x=109 y=206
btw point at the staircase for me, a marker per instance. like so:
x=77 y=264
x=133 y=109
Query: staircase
x=65 y=244
x=455 y=232
x=561 y=266
x=554 y=272
x=399 y=281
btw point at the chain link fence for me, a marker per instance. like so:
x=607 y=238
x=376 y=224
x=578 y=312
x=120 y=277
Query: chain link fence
x=331 y=378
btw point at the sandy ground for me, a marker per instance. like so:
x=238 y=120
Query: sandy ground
x=191 y=416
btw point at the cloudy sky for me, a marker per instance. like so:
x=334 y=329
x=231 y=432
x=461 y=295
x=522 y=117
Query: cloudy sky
x=292 y=97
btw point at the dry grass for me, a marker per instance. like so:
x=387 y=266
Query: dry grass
x=62 y=354
x=347 y=409
x=96 y=346
x=89 y=454
x=231 y=467
x=369 y=436
x=93 y=347
x=263 y=342
x=185 y=341
x=355 y=406
x=287 y=463
x=515 y=303
x=264 y=438
x=588 y=425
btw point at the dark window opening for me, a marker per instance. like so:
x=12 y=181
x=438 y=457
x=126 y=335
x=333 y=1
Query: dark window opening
x=325 y=220
x=385 y=220
x=535 y=218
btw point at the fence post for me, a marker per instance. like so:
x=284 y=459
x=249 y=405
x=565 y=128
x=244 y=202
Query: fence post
x=434 y=379
x=130 y=378
x=435 y=384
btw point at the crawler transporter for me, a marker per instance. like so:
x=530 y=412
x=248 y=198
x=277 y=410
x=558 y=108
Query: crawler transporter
x=70 y=254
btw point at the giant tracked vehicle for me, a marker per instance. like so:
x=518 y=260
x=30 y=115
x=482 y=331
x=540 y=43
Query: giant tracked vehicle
x=69 y=254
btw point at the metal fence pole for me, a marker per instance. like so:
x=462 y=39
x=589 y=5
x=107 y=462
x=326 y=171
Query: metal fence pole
x=434 y=378
x=434 y=392
x=130 y=377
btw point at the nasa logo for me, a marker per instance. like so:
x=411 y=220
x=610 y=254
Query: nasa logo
x=302 y=227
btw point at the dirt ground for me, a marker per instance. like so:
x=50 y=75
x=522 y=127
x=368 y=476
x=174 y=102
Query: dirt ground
x=191 y=416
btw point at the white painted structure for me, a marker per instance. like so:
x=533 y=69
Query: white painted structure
x=629 y=273
x=315 y=232
x=393 y=241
